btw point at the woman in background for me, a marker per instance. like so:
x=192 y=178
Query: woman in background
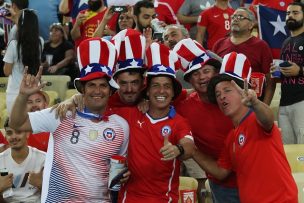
x=25 y=50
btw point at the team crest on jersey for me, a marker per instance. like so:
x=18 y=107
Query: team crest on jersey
x=226 y=16
x=166 y=131
x=109 y=134
x=242 y=139
x=93 y=134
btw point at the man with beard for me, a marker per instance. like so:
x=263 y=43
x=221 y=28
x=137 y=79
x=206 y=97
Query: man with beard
x=291 y=112
x=144 y=13
x=255 y=49
x=87 y=21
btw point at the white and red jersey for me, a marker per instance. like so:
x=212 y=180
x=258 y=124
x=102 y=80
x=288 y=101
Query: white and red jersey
x=82 y=151
x=22 y=190
x=152 y=180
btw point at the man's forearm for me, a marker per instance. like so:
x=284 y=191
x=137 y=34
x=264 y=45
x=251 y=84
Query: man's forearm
x=269 y=90
x=19 y=114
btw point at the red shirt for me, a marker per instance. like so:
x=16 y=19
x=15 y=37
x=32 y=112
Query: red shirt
x=259 y=160
x=255 y=49
x=152 y=179
x=39 y=141
x=209 y=127
x=217 y=23
x=277 y=4
x=166 y=13
x=88 y=27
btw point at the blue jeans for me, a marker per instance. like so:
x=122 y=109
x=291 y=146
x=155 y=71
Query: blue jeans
x=222 y=194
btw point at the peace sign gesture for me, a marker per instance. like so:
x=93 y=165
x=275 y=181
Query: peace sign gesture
x=249 y=97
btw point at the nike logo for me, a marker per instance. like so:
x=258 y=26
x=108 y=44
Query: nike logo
x=216 y=16
x=77 y=126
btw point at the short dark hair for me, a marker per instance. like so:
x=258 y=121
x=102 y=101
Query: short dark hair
x=297 y=3
x=142 y=4
x=21 y=4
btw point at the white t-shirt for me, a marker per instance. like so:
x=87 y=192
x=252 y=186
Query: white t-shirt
x=22 y=190
x=82 y=151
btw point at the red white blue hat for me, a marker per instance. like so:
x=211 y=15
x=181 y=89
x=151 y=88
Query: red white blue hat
x=161 y=61
x=131 y=45
x=193 y=56
x=96 y=59
x=235 y=67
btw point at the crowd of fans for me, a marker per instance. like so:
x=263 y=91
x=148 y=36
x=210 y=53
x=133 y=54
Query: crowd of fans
x=131 y=65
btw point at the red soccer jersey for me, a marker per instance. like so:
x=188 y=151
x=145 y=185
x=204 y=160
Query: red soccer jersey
x=255 y=49
x=88 y=27
x=152 y=179
x=209 y=127
x=277 y=4
x=217 y=23
x=166 y=13
x=39 y=141
x=260 y=163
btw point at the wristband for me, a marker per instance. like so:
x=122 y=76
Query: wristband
x=181 y=150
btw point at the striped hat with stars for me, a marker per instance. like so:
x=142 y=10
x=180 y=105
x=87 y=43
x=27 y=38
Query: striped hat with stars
x=96 y=59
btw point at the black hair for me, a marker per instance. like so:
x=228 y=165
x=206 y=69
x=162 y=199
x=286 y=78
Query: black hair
x=29 y=47
x=117 y=28
x=6 y=123
x=21 y=4
x=297 y=3
x=142 y=4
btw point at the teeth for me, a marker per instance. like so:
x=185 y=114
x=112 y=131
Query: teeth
x=160 y=98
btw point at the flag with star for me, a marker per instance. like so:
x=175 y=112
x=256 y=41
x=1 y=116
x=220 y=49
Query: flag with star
x=272 y=28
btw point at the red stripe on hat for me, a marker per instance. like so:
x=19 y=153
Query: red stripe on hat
x=164 y=55
x=148 y=60
x=136 y=46
x=104 y=54
x=122 y=52
x=230 y=64
x=84 y=54
x=186 y=53
x=246 y=68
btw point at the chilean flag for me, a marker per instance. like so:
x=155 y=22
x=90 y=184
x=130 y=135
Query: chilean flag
x=272 y=28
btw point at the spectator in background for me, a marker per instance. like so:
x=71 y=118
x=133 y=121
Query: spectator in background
x=173 y=34
x=125 y=20
x=214 y=23
x=189 y=12
x=291 y=111
x=47 y=12
x=253 y=149
x=256 y=50
x=165 y=12
x=144 y=13
x=59 y=52
x=24 y=165
x=15 y=10
x=71 y=8
x=87 y=21
x=25 y=50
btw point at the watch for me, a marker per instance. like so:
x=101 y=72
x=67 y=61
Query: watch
x=181 y=150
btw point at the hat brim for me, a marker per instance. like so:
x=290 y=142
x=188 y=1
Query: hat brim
x=78 y=81
x=138 y=69
x=220 y=78
x=213 y=62
x=177 y=87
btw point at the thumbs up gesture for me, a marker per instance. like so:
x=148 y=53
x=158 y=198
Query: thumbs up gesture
x=169 y=151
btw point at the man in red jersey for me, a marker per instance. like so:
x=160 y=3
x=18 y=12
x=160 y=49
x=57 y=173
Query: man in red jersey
x=87 y=21
x=214 y=23
x=256 y=50
x=203 y=115
x=253 y=149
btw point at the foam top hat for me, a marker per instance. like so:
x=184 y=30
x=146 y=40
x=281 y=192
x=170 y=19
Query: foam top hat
x=131 y=45
x=96 y=59
x=161 y=61
x=193 y=56
x=234 y=67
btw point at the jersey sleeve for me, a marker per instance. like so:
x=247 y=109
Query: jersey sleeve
x=125 y=126
x=43 y=121
x=203 y=18
x=183 y=130
x=266 y=57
